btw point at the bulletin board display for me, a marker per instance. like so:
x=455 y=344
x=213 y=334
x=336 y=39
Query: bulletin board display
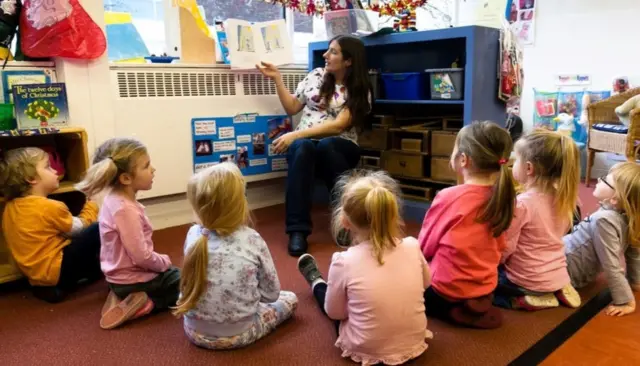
x=246 y=140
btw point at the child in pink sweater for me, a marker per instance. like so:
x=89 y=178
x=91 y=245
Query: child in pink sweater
x=140 y=279
x=462 y=234
x=535 y=267
x=375 y=289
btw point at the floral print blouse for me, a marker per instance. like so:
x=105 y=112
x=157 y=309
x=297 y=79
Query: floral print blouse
x=240 y=275
x=314 y=111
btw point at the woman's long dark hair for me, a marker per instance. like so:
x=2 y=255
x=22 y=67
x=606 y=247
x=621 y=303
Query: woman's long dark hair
x=356 y=80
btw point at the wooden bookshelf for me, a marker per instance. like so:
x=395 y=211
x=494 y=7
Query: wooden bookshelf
x=71 y=144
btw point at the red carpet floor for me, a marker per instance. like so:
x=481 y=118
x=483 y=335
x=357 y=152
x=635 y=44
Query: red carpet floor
x=35 y=333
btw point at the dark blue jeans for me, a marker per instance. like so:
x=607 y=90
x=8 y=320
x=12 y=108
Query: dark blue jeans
x=327 y=159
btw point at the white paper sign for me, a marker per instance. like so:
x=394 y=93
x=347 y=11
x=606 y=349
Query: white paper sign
x=226 y=133
x=205 y=128
x=224 y=146
x=271 y=152
x=279 y=164
x=203 y=166
x=244 y=139
x=258 y=162
x=250 y=43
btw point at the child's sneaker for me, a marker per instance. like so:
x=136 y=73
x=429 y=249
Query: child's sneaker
x=344 y=239
x=569 y=297
x=532 y=303
x=111 y=302
x=146 y=309
x=309 y=268
x=124 y=310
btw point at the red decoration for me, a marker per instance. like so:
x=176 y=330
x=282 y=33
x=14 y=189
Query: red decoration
x=317 y=7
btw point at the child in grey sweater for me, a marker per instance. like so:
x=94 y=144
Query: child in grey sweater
x=609 y=239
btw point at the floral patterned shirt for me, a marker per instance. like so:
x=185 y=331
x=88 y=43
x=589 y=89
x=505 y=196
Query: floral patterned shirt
x=314 y=111
x=240 y=275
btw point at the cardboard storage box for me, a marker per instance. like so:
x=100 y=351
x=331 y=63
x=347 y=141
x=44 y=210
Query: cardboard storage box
x=404 y=164
x=377 y=138
x=442 y=143
x=441 y=169
x=410 y=140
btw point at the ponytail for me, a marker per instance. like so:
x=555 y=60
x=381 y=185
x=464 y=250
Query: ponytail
x=193 y=277
x=382 y=210
x=499 y=209
x=99 y=176
x=567 y=185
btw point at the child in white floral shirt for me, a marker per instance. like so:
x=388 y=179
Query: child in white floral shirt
x=230 y=292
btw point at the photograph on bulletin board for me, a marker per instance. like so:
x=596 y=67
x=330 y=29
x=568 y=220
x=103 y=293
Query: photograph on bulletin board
x=246 y=140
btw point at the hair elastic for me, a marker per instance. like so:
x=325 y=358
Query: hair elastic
x=502 y=161
x=206 y=232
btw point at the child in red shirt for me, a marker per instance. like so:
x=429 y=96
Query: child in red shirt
x=462 y=235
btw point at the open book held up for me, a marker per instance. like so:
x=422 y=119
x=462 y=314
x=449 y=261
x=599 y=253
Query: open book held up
x=250 y=43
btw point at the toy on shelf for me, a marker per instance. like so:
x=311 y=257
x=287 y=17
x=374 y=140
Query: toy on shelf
x=620 y=84
x=624 y=110
x=584 y=116
x=565 y=123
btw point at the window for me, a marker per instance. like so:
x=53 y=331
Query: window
x=148 y=21
x=302 y=35
x=249 y=10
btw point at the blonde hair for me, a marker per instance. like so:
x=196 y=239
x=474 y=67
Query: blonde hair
x=489 y=147
x=626 y=178
x=217 y=197
x=556 y=165
x=113 y=158
x=17 y=168
x=369 y=201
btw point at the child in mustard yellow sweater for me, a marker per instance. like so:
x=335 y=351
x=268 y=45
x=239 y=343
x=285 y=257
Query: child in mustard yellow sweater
x=54 y=249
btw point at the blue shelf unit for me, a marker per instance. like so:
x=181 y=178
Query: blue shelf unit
x=475 y=48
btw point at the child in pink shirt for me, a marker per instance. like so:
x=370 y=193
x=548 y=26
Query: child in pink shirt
x=140 y=279
x=535 y=267
x=375 y=289
x=462 y=235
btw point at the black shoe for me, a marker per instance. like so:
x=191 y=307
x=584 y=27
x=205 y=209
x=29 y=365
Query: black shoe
x=50 y=294
x=344 y=238
x=309 y=268
x=297 y=244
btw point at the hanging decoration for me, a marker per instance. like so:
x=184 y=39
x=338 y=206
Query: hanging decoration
x=396 y=7
x=318 y=7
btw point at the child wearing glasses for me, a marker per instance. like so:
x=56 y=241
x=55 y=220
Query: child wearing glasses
x=609 y=239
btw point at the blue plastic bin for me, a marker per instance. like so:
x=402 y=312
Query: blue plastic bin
x=403 y=86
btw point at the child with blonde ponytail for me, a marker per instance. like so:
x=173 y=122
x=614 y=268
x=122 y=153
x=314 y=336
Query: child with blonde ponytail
x=609 y=239
x=374 y=289
x=140 y=280
x=230 y=291
x=535 y=268
x=462 y=234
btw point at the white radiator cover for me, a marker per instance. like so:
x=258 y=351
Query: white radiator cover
x=155 y=103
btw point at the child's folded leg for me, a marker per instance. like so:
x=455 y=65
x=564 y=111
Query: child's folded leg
x=81 y=258
x=269 y=316
x=569 y=297
x=124 y=310
x=162 y=290
x=491 y=319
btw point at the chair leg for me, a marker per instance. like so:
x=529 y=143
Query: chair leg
x=590 y=159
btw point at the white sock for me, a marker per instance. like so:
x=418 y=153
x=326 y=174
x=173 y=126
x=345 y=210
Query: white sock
x=317 y=281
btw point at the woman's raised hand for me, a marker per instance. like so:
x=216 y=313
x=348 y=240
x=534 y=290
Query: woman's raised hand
x=268 y=70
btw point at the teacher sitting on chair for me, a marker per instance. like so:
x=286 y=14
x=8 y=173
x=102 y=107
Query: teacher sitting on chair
x=334 y=100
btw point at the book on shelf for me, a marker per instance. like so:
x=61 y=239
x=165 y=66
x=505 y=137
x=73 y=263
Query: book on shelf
x=41 y=105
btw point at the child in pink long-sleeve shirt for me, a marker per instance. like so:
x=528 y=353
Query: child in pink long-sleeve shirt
x=144 y=279
x=535 y=267
x=462 y=235
x=375 y=289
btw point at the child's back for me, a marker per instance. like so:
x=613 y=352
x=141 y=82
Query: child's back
x=535 y=252
x=240 y=275
x=229 y=292
x=463 y=253
x=383 y=304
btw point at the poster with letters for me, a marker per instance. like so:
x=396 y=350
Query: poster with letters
x=246 y=140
